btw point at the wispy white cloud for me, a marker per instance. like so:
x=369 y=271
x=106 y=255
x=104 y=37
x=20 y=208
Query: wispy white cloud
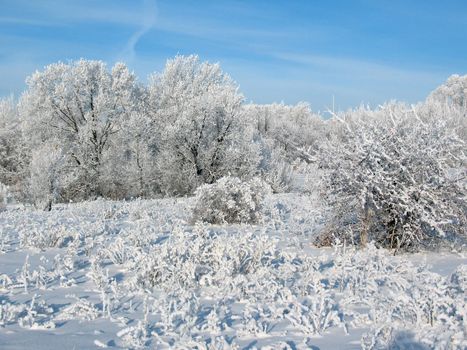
x=25 y=21
x=317 y=78
x=363 y=69
x=273 y=59
x=149 y=17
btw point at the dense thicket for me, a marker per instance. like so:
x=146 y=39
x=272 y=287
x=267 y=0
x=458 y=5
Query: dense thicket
x=395 y=175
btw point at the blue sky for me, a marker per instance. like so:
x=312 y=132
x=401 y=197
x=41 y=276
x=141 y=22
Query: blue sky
x=357 y=51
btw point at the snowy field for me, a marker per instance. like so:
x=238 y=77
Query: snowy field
x=141 y=274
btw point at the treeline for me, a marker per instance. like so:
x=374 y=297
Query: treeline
x=82 y=131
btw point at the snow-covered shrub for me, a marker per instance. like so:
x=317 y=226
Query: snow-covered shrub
x=279 y=176
x=35 y=315
x=390 y=336
x=201 y=257
x=119 y=251
x=230 y=200
x=389 y=178
x=308 y=179
x=57 y=236
x=81 y=309
x=275 y=170
x=136 y=336
x=315 y=313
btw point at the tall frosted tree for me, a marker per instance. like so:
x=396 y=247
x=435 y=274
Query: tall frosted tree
x=449 y=101
x=454 y=91
x=81 y=104
x=205 y=134
x=13 y=151
x=131 y=162
x=288 y=135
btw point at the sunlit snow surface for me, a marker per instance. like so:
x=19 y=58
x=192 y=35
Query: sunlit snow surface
x=140 y=274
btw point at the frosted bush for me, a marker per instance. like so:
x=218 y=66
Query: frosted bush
x=202 y=257
x=119 y=252
x=275 y=170
x=394 y=337
x=315 y=313
x=9 y=312
x=389 y=179
x=47 y=237
x=280 y=177
x=230 y=200
x=5 y=281
x=136 y=336
x=34 y=315
x=82 y=309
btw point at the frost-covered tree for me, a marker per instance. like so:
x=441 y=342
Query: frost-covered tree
x=13 y=152
x=453 y=91
x=46 y=175
x=293 y=128
x=450 y=99
x=205 y=134
x=394 y=176
x=81 y=104
x=132 y=159
x=287 y=135
x=3 y=196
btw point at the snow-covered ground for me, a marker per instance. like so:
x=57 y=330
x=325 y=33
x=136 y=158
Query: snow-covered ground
x=142 y=274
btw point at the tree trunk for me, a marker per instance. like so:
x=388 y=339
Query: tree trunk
x=365 y=225
x=48 y=206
